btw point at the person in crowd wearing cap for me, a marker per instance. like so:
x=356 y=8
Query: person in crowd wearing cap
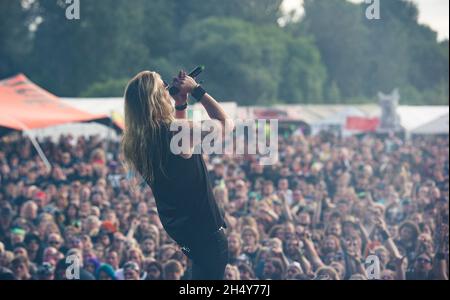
x=105 y=272
x=131 y=271
x=17 y=236
x=92 y=264
x=46 y=271
x=293 y=270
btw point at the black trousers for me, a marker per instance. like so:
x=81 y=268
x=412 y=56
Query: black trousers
x=209 y=256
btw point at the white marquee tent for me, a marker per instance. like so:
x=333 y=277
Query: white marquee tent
x=414 y=119
x=437 y=126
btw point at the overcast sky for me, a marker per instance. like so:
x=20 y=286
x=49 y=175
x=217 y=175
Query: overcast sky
x=434 y=13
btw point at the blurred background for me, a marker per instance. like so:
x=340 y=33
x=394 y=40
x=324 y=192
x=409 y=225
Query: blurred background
x=256 y=52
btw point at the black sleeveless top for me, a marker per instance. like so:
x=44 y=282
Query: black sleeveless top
x=184 y=196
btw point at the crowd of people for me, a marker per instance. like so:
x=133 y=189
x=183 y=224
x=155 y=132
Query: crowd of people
x=332 y=208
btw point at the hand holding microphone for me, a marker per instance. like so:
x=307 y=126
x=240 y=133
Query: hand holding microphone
x=180 y=97
x=174 y=90
x=187 y=84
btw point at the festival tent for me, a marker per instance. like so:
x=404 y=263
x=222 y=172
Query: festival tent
x=436 y=127
x=316 y=117
x=114 y=108
x=24 y=106
x=104 y=106
x=413 y=118
x=110 y=107
x=283 y=113
x=353 y=119
x=338 y=119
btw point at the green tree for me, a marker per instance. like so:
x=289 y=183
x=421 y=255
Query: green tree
x=261 y=12
x=407 y=53
x=243 y=61
x=304 y=75
x=15 y=39
x=333 y=54
x=365 y=56
x=389 y=54
x=339 y=33
x=333 y=95
x=254 y=64
x=109 y=41
x=109 y=88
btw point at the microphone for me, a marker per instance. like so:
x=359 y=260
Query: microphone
x=197 y=71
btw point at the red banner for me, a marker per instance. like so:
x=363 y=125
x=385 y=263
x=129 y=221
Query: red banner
x=362 y=124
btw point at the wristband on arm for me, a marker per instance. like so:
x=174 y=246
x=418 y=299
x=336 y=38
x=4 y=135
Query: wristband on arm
x=198 y=93
x=181 y=107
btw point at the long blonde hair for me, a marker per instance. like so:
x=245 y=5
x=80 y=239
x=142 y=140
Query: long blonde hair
x=147 y=110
